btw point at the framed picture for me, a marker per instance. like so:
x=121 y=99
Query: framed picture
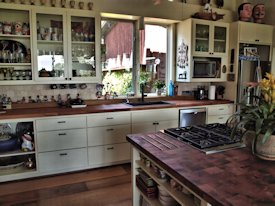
x=250 y=51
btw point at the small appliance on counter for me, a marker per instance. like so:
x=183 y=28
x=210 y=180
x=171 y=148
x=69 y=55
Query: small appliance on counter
x=201 y=93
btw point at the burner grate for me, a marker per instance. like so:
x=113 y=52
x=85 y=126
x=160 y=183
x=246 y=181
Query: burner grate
x=204 y=136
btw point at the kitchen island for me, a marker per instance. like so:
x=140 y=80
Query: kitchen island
x=228 y=178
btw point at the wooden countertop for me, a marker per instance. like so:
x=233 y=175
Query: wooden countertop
x=230 y=178
x=43 y=111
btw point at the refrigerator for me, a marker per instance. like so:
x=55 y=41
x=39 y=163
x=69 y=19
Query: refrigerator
x=251 y=70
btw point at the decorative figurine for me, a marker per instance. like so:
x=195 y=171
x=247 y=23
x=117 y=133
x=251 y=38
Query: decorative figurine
x=219 y=3
x=63 y=3
x=27 y=144
x=81 y=5
x=245 y=12
x=72 y=4
x=258 y=13
x=207 y=7
x=90 y=5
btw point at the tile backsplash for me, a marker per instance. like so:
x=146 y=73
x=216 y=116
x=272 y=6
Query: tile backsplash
x=16 y=92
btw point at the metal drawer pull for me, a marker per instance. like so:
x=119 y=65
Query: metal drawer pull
x=221 y=109
x=110 y=148
x=109 y=118
x=62 y=134
x=155 y=123
x=60 y=122
x=109 y=130
x=63 y=154
x=220 y=118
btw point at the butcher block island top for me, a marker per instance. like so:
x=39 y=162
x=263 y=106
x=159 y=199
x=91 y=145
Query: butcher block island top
x=228 y=178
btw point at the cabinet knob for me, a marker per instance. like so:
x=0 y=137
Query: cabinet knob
x=155 y=123
x=257 y=40
x=109 y=130
x=70 y=78
x=61 y=122
x=66 y=78
x=63 y=154
x=62 y=134
x=110 y=148
x=109 y=118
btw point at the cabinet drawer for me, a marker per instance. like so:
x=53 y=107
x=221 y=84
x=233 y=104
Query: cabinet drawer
x=220 y=109
x=64 y=159
x=63 y=139
x=108 y=134
x=60 y=123
x=109 y=153
x=154 y=115
x=111 y=118
x=217 y=119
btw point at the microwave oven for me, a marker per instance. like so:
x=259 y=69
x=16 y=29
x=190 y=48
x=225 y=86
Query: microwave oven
x=207 y=68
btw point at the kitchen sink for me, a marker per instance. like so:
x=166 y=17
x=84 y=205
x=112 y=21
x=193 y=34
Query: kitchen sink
x=147 y=103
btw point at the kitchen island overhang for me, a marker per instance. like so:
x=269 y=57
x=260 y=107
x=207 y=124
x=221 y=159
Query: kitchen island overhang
x=233 y=177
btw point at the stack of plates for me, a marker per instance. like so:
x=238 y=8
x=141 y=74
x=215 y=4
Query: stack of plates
x=165 y=199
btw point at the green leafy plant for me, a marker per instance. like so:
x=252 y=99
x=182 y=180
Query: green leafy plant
x=158 y=84
x=259 y=117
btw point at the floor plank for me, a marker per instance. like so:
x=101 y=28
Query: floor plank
x=109 y=186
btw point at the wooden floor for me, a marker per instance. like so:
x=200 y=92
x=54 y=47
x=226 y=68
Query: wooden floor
x=109 y=186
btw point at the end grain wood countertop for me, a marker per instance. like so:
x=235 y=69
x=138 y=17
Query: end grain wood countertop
x=35 y=110
x=229 y=178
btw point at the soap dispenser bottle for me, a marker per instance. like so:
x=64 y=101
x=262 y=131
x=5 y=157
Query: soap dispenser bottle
x=171 y=89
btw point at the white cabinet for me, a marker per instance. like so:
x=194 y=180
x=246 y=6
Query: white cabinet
x=65 y=46
x=17 y=149
x=219 y=113
x=255 y=33
x=61 y=144
x=210 y=38
x=15 y=44
x=200 y=42
x=107 y=138
x=154 y=120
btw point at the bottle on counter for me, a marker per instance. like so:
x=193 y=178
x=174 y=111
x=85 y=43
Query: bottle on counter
x=171 y=89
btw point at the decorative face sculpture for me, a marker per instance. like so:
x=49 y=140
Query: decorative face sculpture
x=259 y=13
x=245 y=12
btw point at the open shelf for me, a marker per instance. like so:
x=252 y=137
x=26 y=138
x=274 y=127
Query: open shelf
x=177 y=195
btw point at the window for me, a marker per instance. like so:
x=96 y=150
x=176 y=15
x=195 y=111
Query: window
x=153 y=44
x=117 y=56
x=118 y=53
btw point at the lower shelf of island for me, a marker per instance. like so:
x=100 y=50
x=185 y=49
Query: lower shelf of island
x=179 y=196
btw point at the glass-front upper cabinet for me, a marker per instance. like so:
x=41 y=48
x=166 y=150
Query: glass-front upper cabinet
x=15 y=45
x=65 y=46
x=210 y=38
x=82 y=46
x=50 y=45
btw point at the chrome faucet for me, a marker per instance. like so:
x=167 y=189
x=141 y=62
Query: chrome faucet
x=142 y=92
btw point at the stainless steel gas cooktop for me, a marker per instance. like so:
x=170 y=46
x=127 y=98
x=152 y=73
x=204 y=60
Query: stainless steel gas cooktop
x=209 y=138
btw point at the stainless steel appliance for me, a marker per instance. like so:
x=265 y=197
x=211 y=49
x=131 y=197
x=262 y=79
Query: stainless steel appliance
x=207 y=67
x=209 y=138
x=192 y=116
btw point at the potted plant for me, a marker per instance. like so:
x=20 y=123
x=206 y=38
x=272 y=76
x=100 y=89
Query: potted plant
x=159 y=85
x=259 y=118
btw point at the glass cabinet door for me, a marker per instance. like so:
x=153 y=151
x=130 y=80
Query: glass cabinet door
x=82 y=43
x=15 y=45
x=220 y=39
x=202 y=37
x=50 y=46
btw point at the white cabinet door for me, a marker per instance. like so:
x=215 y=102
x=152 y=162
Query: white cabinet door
x=167 y=124
x=108 y=134
x=62 y=139
x=69 y=122
x=62 y=160
x=255 y=33
x=110 y=118
x=101 y=155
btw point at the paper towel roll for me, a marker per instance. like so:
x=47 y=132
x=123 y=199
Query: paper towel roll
x=211 y=92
